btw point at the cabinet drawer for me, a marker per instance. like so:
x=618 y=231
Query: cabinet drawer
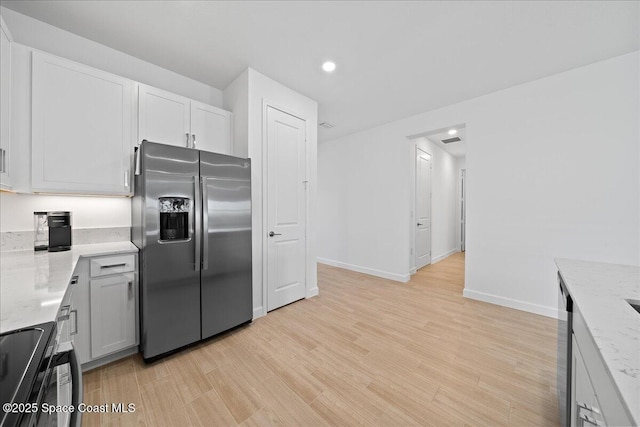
x=112 y=265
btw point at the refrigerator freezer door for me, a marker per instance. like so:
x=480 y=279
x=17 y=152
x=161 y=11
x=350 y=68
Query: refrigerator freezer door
x=226 y=274
x=170 y=276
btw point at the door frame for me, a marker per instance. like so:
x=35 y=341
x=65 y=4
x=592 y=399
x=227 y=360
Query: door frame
x=415 y=205
x=462 y=214
x=266 y=104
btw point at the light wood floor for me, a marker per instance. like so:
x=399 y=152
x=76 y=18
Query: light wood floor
x=366 y=351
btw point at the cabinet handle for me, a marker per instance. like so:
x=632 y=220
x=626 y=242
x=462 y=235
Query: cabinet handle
x=136 y=153
x=187 y=140
x=3 y=164
x=193 y=141
x=74 y=331
x=126 y=179
x=74 y=280
x=130 y=290
x=122 y=264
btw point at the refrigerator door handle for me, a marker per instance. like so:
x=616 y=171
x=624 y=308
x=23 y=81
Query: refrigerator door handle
x=197 y=217
x=205 y=224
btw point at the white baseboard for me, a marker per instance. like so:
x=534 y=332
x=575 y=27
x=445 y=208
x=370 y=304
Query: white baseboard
x=312 y=292
x=512 y=303
x=413 y=271
x=258 y=312
x=366 y=270
x=444 y=255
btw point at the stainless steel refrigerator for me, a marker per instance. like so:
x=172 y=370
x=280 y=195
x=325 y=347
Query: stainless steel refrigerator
x=191 y=220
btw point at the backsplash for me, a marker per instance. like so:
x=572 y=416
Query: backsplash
x=21 y=240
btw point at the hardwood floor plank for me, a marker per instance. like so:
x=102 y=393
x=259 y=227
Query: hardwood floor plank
x=239 y=397
x=208 y=410
x=162 y=403
x=366 y=351
x=336 y=411
x=186 y=376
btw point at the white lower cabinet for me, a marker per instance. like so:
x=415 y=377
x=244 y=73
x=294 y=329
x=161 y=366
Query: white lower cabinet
x=596 y=399
x=106 y=308
x=113 y=311
x=586 y=409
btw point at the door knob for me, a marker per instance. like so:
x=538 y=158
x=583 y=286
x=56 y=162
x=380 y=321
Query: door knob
x=271 y=234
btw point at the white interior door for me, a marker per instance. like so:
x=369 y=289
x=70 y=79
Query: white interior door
x=423 y=208
x=286 y=202
x=163 y=117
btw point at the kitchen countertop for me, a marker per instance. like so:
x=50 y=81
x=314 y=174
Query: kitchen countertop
x=600 y=292
x=32 y=284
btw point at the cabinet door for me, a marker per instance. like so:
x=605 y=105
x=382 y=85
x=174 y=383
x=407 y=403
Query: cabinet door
x=5 y=106
x=211 y=128
x=163 y=117
x=586 y=409
x=81 y=128
x=113 y=310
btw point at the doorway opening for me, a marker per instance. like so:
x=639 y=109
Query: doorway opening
x=438 y=204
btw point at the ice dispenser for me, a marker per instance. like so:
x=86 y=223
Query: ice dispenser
x=174 y=218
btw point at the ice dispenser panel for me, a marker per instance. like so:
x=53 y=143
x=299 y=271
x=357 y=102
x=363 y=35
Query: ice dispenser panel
x=174 y=218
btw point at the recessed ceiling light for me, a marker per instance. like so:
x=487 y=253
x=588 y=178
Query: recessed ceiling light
x=452 y=132
x=329 y=66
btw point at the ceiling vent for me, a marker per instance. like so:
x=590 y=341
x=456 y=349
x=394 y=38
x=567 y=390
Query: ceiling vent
x=326 y=125
x=450 y=140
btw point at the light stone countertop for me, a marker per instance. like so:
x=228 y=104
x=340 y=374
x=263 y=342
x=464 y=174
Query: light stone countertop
x=600 y=291
x=32 y=284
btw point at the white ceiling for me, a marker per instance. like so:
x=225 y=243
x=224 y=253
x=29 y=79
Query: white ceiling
x=457 y=149
x=395 y=59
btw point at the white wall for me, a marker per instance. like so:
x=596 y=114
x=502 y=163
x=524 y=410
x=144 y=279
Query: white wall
x=236 y=99
x=552 y=168
x=366 y=187
x=16 y=210
x=462 y=162
x=363 y=203
x=261 y=90
x=39 y=35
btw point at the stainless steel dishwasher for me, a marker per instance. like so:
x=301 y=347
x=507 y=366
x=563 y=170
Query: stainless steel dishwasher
x=565 y=326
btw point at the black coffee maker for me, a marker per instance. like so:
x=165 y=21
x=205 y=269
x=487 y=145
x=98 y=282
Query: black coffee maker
x=59 y=231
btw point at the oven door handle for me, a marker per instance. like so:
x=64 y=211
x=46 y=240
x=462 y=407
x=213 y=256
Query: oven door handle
x=67 y=354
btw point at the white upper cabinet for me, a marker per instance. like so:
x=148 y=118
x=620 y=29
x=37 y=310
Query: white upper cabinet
x=163 y=117
x=5 y=105
x=82 y=132
x=175 y=120
x=210 y=128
